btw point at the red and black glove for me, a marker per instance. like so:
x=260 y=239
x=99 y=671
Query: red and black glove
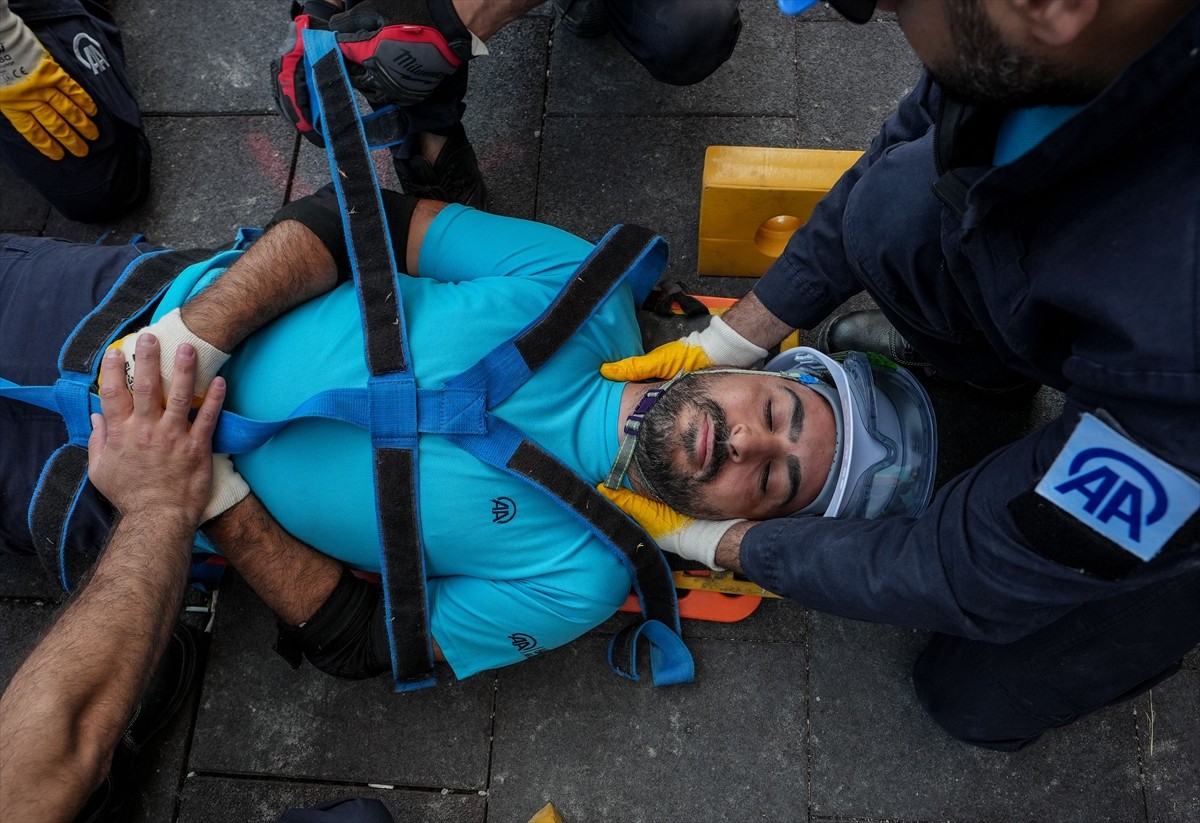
x=399 y=51
x=287 y=70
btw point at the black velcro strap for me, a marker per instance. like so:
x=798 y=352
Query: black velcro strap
x=574 y=305
x=653 y=577
x=404 y=568
x=1059 y=537
x=61 y=481
x=149 y=276
x=368 y=243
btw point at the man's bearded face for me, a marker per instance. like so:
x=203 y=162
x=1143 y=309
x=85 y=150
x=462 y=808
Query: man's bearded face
x=980 y=67
x=719 y=446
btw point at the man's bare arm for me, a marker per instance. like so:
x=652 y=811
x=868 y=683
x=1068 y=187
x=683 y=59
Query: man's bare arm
x=729 y=550
x=68 y=704
x=755 y=322
x=291 y=577
x=285 y=267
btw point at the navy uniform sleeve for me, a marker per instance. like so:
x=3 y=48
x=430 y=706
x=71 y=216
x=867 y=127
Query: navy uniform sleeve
x=813 y=275
x=961 y=568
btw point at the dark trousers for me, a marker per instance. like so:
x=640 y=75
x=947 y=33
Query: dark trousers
x=1005 y=696
x=1000 y=696
x=678 y=41
x=114 y=176
x=46 y=288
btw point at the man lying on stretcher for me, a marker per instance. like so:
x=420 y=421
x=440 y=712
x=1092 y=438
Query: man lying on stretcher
x=510 y=573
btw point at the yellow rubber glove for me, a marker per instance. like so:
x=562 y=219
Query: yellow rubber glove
x=673 y=532
x=43 y=103
x=717 y=344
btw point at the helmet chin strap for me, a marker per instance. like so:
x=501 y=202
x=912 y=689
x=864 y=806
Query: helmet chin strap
x=626 y=461
x=633 y=427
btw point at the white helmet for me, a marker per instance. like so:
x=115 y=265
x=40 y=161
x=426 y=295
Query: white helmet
x=886 y=458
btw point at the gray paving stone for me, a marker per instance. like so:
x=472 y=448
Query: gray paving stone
x=598 y=76
x=21 y=624
x=211 y=175
x=605 y=749
x=220 y=800
x=504 y=114
x=849 y=79
x=202 y=58
x=876 y=755
x=1169 y=733
x=258 y=717
x=600 y=171
x=22 y=209
x=23 y=576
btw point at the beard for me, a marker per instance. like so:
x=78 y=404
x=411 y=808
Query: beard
x=660 y=442
x=987 y=71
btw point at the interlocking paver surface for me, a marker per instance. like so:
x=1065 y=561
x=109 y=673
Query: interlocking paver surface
x=795 y=716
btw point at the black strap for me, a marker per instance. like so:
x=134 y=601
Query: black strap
x=383 y=328
x=65 y=474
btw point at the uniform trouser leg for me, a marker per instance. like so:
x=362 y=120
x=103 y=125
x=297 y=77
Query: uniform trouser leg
x=114 y=176
x=893 y=238
x=678 y=41
x=46 y=287
x=1005 y=696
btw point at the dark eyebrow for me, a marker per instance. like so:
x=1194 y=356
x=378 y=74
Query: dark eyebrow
x=793 y=466
x=797 y=424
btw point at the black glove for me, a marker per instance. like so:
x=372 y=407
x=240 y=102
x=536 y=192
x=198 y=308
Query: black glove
x=321 y=215
x=346 y=638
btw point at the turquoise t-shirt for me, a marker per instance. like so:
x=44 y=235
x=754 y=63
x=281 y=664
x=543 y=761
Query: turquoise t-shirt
x=510 y=573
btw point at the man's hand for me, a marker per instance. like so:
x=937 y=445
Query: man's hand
x=715 y=344
x=43 y=103
x=145 y=457
x=673 y=532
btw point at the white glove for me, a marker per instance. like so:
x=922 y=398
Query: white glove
x=228 y=488
x=716 y=344
x=171 y=332
x=673 y=532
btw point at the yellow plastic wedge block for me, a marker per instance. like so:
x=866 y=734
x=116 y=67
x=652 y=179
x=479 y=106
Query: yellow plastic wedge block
x=755 y=198
x=547 y=814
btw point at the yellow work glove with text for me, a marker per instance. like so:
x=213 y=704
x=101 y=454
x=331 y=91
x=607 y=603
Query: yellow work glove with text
x=673 y=532
x=717 y=344
x=43 y=103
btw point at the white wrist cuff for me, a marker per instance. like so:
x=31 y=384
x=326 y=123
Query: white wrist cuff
x=699 y=541
x=726 y=347
x=228 y=488
x=171 y=333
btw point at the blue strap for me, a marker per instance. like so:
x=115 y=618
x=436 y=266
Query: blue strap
x=670 y=660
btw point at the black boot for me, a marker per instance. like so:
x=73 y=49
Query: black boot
x=869 y=330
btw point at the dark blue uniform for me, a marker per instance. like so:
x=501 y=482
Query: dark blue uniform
x=114 y=176
x=1075 y=265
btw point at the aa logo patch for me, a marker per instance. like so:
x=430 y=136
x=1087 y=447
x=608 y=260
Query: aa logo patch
x=1115 y=487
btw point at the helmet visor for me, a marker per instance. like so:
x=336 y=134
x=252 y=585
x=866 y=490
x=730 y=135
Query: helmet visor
x=889 y=443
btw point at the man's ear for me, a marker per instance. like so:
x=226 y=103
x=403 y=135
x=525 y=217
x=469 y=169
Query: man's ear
x=1055 y=23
